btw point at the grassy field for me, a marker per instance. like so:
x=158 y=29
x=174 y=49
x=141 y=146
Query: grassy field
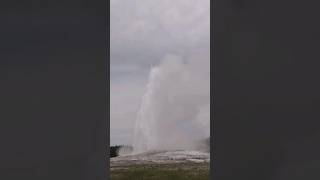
x=161 y=172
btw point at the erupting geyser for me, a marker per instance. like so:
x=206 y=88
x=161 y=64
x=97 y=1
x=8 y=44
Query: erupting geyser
x=174 y=113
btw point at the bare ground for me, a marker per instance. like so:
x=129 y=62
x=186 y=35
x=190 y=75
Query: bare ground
x=161 y=165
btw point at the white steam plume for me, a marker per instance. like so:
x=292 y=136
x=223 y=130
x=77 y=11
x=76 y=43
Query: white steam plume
x=175 y=110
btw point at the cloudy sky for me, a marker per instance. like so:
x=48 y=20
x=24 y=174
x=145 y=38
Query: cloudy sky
x=143 y=32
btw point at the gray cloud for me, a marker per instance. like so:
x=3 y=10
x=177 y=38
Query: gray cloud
x=143 y=32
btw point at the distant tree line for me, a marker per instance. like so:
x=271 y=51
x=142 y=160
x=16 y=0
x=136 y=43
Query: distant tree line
x=114 y=151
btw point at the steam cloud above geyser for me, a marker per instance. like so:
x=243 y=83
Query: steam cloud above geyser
x=175 y=109
x=172 y=38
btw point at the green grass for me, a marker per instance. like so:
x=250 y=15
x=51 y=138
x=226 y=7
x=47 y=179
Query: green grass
x=158 y=173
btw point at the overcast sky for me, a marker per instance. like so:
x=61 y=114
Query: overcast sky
x=143 y=32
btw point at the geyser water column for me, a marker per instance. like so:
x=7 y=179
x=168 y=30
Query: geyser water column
x=172 y=106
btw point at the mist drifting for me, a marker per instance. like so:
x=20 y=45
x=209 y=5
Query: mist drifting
x=175 y=107
x=160 y=73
